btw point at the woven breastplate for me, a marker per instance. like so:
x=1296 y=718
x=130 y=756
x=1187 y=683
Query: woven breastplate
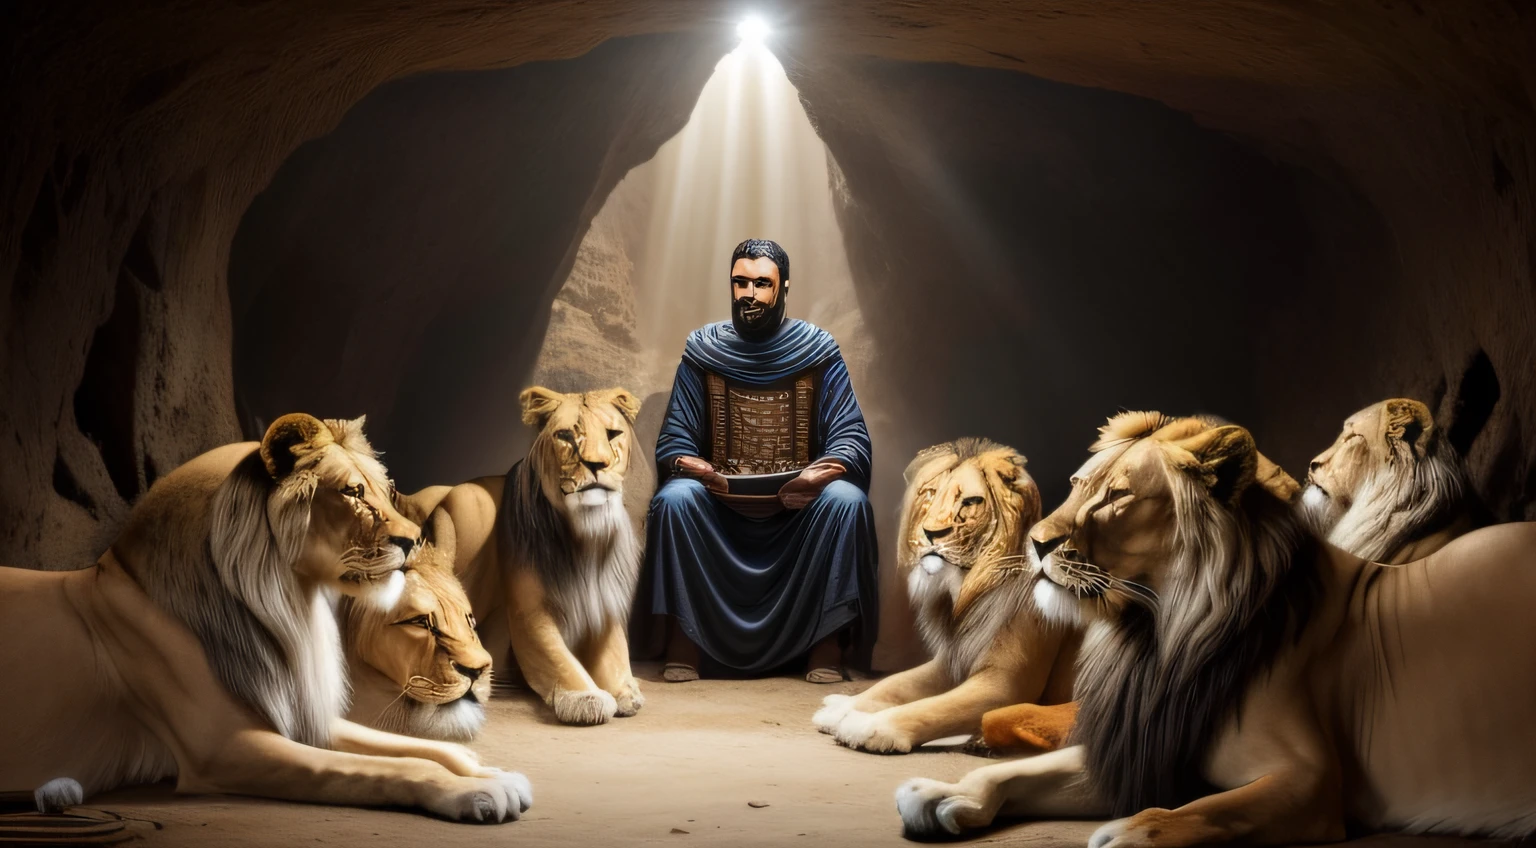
x=761 y=429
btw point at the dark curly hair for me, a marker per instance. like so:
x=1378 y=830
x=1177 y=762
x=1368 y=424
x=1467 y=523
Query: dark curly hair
x=757 y=249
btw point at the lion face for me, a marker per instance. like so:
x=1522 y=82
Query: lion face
x=1387 y=437
x=425 y=649
x=968 y=499
x=355 y=542
x=1114 y=541
x=583 y=445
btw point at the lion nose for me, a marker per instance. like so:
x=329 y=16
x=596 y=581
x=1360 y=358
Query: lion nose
x=405 y=543
x=935 y=535
x=471 y=673
x=594 y=465
x=1043 y=549
x=1313 y=466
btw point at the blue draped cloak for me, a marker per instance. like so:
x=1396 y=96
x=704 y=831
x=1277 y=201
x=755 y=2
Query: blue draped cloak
x=756 y=593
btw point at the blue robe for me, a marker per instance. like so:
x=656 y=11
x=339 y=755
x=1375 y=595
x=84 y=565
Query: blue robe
x=756 y=593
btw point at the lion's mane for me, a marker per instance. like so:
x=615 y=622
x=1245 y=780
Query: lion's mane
x=1159 y=683
x=588 y=560
x=218 y=554
x=1406 y=498
x=960 y=610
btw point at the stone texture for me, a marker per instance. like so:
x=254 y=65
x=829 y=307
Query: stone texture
x=1388 y=249
x=426 y=237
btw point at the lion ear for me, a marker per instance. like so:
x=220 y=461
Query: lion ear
x=1274 y=479
x=289 y=438
x=1409 y=423
x=623 y=399
x=538 y=404
x=1226 y=460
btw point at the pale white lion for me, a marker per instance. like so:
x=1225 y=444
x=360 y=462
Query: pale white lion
x=202 y=646
x=1391 y=488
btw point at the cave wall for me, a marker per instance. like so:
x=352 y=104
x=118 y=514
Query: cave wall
x=1034 y=256
x=404 y=264
x=138 y=135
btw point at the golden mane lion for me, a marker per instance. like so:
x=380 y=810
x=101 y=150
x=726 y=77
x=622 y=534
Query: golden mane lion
x=967 y=507
x=1208 y=601
x=202 y=644
x=1391 y=488
x=418 y=668
x=548 y=555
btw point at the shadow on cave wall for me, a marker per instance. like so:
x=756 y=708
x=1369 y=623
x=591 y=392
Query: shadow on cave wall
x=403 y=265
x=1034 y=256
x=1030 y=257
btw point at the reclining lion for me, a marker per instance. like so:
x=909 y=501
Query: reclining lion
x=549 y=557
x=202 y=644
x=967 y=507
x=418 y=668
x=1391 y=488
x=1207 y=602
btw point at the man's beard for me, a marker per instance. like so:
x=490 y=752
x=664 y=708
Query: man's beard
x=754 y=320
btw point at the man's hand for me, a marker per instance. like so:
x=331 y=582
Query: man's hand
x=700 y=470
x=799 y=492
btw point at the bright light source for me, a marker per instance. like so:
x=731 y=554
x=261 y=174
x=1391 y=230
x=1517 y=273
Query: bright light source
x=753 y=30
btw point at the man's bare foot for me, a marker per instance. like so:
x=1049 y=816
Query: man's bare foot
x=826 y=662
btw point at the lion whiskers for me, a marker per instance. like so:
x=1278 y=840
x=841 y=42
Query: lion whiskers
x=378 y=719
x=426 y=689
x=1086 y=580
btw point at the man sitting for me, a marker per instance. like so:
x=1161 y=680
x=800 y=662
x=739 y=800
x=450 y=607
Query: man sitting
x=760 y=541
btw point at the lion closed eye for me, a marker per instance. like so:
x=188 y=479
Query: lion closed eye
x=1391 y=488
x=418 y=668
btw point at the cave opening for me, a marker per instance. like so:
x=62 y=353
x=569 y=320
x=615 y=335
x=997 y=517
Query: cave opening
x=217 y=213
x=997 y=254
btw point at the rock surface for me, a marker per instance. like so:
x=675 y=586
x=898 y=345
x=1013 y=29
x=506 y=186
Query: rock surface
x=138 y=137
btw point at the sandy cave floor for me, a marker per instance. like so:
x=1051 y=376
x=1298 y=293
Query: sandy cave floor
x=680 y=773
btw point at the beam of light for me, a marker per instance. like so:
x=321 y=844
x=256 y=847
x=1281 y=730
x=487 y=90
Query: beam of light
x=753 y=30
x=748 y=163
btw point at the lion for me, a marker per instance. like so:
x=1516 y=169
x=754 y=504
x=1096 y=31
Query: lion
x=418 y=668
x=202 y=645
x=1391 y=488
x=966 y=509
x=1243 y=681
x=548 y=556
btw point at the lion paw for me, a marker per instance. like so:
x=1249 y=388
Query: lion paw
x=629 y=699
x=584 y=707
x=931 y=809
x=498 y=797
x=833 y=708
x=872 y=732
x=518 y=783
x=1127 y=832
x=57 y=794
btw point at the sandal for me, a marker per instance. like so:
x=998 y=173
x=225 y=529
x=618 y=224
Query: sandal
x=826 y=674
x=679 y=672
